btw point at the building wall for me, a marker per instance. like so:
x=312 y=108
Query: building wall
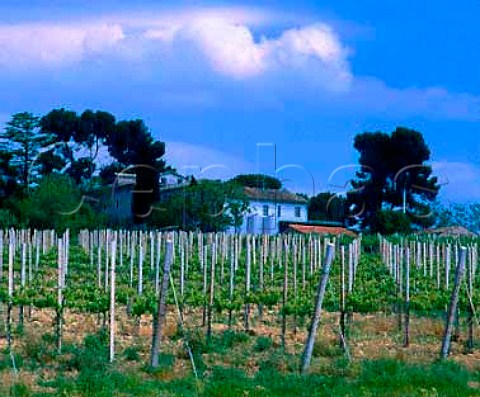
x=169 y=180
x=256 y=222
x=120 y=206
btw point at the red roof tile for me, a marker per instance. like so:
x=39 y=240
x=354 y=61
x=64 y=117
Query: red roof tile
x=306 y=229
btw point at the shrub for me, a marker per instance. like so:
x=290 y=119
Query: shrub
x=263 y=343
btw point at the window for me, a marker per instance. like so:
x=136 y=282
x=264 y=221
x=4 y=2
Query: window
x=297 y=212
x=265 y=210
x=163 y=181
x=179 y=181
x=279 y=211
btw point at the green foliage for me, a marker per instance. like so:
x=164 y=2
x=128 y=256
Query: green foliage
x=327 y=207
x=23 y=140
x=7 y=219
x=374 y=287
x=259 y=181
x=263 y=343
x=131 y=353
x=20 y=390
x=391 y=164
x=391 y=222
x=207 y=205
x=57 y=203
x=323 y=348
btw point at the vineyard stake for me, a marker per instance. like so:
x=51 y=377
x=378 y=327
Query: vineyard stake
x=307 y=354
x=452 y=309
x=161 y=309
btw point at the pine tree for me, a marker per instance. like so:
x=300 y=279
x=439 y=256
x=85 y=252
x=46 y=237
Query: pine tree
x=23 y=140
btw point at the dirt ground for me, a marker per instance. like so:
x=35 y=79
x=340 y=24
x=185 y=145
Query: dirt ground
x=371 y=336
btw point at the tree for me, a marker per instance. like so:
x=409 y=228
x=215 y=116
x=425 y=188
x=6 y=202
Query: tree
x=389 y=222
x=394 y=171
x=23 y=140
x=76 y=135
x=259 y=181
x=57 y=203
x=8 y=175
x=206 y=205
x=132 y=145
x=327 y=207
x=456 y=214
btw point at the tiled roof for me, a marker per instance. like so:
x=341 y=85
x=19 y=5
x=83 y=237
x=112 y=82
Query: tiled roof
x=451 y=231
x=278 y=196
x=307 y=229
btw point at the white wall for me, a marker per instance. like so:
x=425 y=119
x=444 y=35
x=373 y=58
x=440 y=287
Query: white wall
x=170 y=180
x=255 y=222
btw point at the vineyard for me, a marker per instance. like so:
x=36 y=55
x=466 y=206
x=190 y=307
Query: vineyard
x=191 y=312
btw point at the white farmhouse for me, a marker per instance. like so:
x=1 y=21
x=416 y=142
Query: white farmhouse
x=271 y=210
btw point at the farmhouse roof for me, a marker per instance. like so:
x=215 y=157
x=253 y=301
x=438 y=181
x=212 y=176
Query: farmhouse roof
x=333 y=230
x=451 y=231
x=278 y=196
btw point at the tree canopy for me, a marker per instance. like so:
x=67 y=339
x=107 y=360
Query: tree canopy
x=327 y=206
x=260 y=181
x=58 y=203
x=129 y=142
x=205 y=205
x=21 y=143
x=393 y=165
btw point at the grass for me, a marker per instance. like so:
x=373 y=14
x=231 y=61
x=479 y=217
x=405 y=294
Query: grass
x=232 y=363
x=84 y=371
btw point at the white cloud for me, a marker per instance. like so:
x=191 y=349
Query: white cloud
x=226 y=41
x=30 y=45
x=205 y=162
x=232 y=50
x=222 y=55
x=373 y=95
x=461 y=180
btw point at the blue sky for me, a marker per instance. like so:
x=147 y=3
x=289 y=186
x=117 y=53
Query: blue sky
x=230 y=87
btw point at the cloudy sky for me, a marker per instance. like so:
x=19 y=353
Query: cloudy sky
x=234 y=87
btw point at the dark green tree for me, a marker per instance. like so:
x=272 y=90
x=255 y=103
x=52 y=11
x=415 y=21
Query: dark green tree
x=327 y=206
x=394 y=169
x=58 y=203
x=258 y=181
x=23 y=141
x=132 y=145
x=388 y=222
x=206 y=205
x=73 y=134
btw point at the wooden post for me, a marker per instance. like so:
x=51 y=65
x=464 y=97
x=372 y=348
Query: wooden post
x=471 y=310
x=247 y=286
x=59 y=295
x=161 y=310
x=140 y=265
x=212 y=292
x=307 y=354
x=452 y=309
x=11 y=252
x=205 y=284
x=407 y=298
x=284 y=295
x=342 y=299
x=232 y=281
x=113 y=253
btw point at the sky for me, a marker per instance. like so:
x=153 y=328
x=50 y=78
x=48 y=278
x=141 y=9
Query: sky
x=281 y=88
